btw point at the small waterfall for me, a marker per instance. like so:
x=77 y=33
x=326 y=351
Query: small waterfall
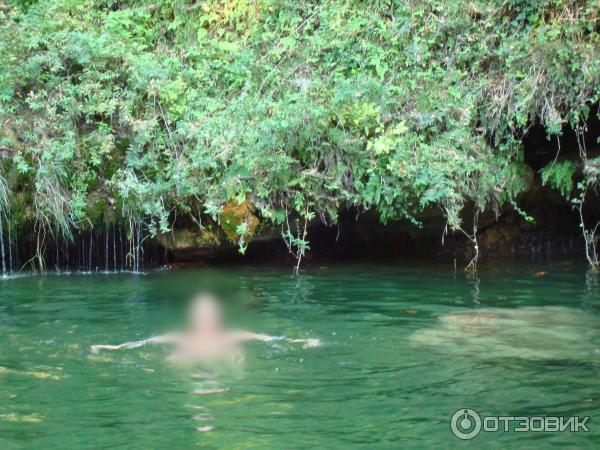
x=17 y=262
x=10 y=253
x=114 y=248
x=137 y=248
x=10 y=262
x=57 y=259
x=90 y=252
x=106 y=248
x=122 y=249
x=2 y=247
x=82 y=256
x=66 y=250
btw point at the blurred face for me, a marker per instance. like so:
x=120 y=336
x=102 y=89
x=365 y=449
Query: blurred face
x=205 y=314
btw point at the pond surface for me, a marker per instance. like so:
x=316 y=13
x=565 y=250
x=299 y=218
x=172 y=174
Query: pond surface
x=400 y=353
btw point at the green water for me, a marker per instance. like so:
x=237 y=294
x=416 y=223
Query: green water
x=389 y=373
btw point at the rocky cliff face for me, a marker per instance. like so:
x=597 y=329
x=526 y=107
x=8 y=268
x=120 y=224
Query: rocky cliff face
x=551 y=230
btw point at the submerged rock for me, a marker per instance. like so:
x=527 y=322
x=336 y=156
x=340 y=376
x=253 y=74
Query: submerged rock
x=532 y=333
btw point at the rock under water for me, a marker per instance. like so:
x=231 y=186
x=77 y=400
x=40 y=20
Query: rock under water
x=531 y=333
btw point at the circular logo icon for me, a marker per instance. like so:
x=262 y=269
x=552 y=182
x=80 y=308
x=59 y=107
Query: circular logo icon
x=465 y=424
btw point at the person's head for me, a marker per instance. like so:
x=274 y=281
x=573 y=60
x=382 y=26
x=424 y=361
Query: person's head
x=205 y=314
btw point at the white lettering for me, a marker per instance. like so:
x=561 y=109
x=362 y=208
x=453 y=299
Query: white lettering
x=582 y=425
x=524 y=424
x=490 y=424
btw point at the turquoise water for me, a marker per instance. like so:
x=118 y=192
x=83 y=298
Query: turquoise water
x=394 y=364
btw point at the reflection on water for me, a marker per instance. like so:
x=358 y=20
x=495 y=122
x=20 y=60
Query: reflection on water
x=402 y=349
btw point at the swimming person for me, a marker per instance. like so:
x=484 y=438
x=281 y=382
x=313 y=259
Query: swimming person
x=206 y=339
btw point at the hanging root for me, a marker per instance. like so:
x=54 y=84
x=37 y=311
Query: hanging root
x=472 y=266
x=296 y=244
x=591 y=244
x=590 y=236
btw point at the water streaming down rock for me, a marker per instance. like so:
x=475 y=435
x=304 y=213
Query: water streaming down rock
x=107 y=248
x=16 y=240
x=137 y=247
x=91 y=250
x=57 y=260
x=114 y=248
x=121 y=247
x=2 y=247
x=136 y=261
x=66 y=247
x=10 y=253
x=81 y=256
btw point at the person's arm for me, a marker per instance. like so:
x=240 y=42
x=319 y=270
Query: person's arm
x=164 y=339
x=244 y=336
x=250 y=336
x=307 y=342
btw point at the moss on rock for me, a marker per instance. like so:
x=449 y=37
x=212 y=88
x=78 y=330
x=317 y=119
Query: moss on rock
x=235 y=215
x=187 y=239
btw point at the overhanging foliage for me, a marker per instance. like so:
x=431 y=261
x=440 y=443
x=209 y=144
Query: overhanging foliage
x=150 y=110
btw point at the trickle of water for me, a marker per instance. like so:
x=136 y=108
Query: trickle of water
x=90 y=253
x=82 y=265
x=137 y=249
x=2 y=247
x=114 y=248
x=106 y=249
x=67 y=252
x=17 y=262
x=122 y=249
x=57 y=260
x=10 y=253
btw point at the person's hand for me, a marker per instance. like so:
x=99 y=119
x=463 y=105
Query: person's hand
x=312 y=343
x=96 y=348
x=307 y=342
